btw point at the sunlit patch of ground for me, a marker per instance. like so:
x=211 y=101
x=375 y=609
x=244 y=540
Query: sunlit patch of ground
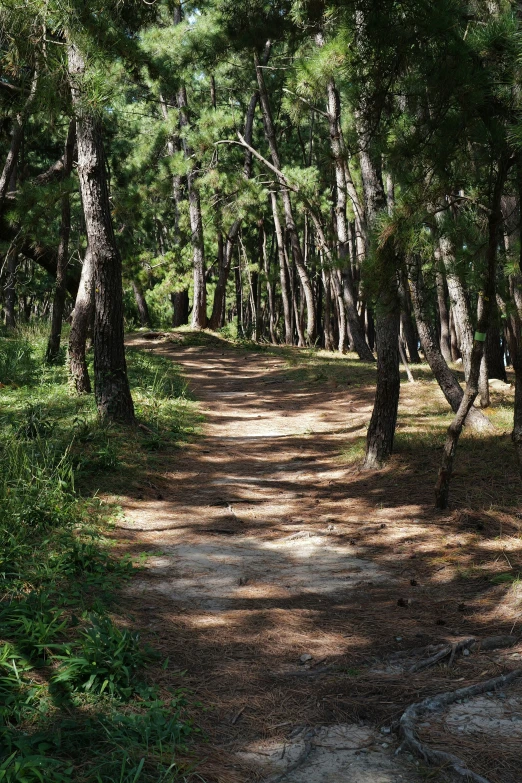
x=266 y=543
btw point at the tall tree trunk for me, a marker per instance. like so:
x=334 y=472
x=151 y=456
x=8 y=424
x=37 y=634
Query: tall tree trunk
x=82 y=318
x=407 y=326
x=381 y=431
x=10 y=287
x=285 y=293
x=111 y=384
x=495 y=350
x=291 y=228
x=218 y=305
x=454 y=341
x=141 y=304
x=270 y=289
x=459 y=303
x=348 y=289
x=199 y=306
x=445 y=334
x=328 y=336
x=60 y=290
x=484 y=307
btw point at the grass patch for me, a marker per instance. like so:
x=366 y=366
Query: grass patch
x=75 y=704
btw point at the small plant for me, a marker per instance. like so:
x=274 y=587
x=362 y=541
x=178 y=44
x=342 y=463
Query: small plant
x=18 y=768
x=107 y=661
x=36 y=423
x=35 y=623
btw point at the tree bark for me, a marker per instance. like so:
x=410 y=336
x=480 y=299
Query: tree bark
x=484 y=308
x=348 y=290
x=459 y=303
x=285 y=294
x=291 y=228
x=82 y=318
x=379 y=440
x=407 y=325
x=111 y=384
x=445 y=334
x=60 y=291
x=449 y=385
x=10 y=287
x=180 y=308
x=141 y=304
x=495 y=350
x=16 y=139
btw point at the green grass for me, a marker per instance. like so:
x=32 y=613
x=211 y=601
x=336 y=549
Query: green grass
x=75 y=704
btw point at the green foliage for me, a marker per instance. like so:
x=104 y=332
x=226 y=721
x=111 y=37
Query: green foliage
x=73 y=704
x=107 y=659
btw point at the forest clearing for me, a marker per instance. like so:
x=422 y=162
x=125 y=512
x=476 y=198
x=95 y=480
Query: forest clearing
x=260 y=391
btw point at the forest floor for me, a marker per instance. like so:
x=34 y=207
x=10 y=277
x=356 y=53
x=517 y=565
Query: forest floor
x=293 y=593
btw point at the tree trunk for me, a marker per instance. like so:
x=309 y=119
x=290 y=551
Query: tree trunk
x=327 y=317
x=445 y=334
x=285 y=294
x=381 y=432
x=180 y=308
x=449 y=385
x=495 y=352
x=218 y=305
x=379 y=441
x=291 y=228
x=270 y=289
x=16 y=140
x=82 y=317
x=199 y=306
x=459 y=304
x=111 y=384
x=407 y=325
x=141 y=304
x=60 y=291
x=348 y=290
x=10 y=287
x=454 y=341
x=484 y=308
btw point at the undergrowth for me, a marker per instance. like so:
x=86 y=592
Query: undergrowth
x=75 y=704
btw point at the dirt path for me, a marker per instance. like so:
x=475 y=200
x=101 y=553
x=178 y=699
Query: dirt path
x=276 y=575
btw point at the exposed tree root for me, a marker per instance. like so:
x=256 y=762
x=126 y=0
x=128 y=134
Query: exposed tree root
x=450 y=649
x=490 y=643
x=310 y=734
x=417 y=711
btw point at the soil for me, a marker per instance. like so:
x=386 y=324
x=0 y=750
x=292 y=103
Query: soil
x=285 y=585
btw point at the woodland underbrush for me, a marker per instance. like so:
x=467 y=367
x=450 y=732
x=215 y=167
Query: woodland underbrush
x=75 y=701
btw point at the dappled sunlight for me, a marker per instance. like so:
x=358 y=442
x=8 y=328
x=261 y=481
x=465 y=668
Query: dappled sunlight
x=282 y=578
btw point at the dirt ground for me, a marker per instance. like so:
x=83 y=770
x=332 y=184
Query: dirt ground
x=295 y=592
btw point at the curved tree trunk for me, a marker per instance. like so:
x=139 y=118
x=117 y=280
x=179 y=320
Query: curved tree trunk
x=484 y=308
x=82 y=317
x=449 y=385
x=111 y=384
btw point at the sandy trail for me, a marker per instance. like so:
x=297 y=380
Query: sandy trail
x=266 y=548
